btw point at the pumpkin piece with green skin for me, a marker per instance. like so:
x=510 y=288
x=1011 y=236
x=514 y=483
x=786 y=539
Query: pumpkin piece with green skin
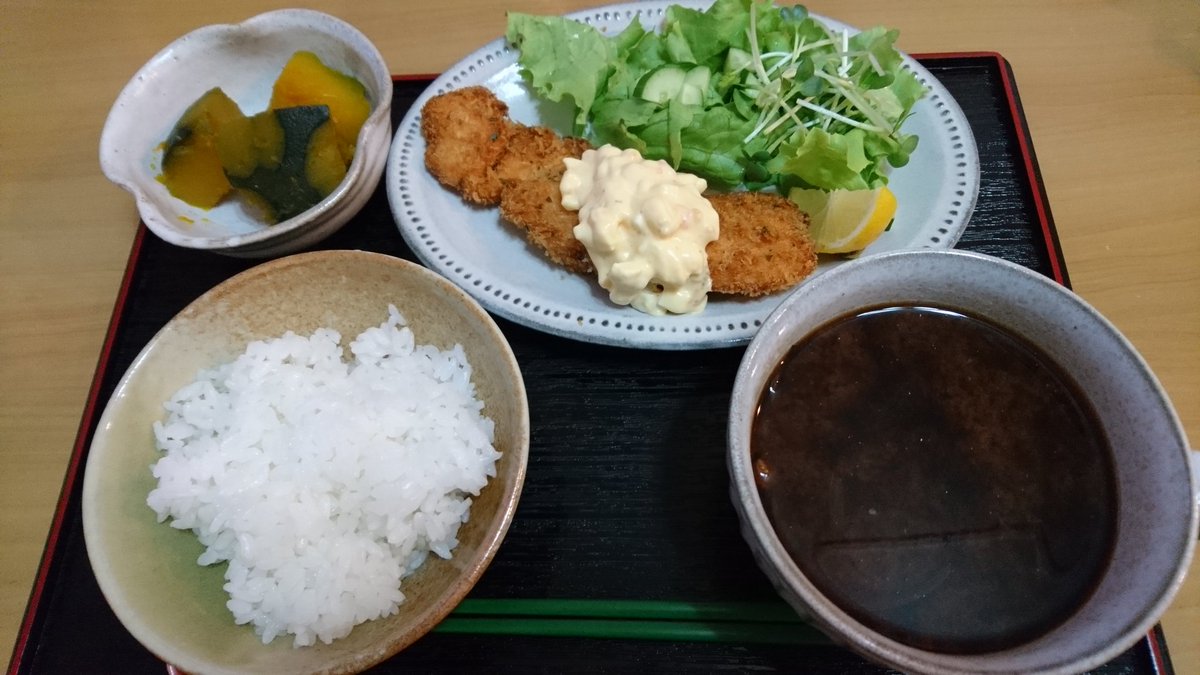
x=284 y=188
x=285 y=159
x=260 y=144
x=212 y=141
x=324 y=167
x=193 y=162
x=306 y=81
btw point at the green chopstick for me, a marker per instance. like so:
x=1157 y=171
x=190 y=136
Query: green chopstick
x=636 y=629
x=758 y=622
x=674 y=610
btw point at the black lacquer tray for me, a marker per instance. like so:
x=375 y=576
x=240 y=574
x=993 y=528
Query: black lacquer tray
x=627 y=492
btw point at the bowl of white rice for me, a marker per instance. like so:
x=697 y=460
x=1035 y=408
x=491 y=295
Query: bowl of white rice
x=307 y=468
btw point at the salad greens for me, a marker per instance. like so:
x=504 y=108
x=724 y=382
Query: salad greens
x=744 y=93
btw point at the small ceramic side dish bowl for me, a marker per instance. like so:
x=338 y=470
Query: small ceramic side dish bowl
x=243 y=60
x=148 y=570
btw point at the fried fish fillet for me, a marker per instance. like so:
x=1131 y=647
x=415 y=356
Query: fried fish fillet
x=764 y=245
x=473 y=148
x=476 y=150
x=535 y=206
x=536 y=152
x=530 y=170
x=466 y=132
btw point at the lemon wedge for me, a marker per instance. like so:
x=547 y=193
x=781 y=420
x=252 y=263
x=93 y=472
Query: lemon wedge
x=845 y=221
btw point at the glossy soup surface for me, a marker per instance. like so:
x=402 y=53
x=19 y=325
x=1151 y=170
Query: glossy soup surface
x=940 y=479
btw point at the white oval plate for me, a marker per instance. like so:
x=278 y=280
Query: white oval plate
x=491 y=260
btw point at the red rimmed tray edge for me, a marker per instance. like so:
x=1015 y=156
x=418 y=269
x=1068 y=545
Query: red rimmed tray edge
x=75 y=465
x=1033 y=172
x=1155 y=639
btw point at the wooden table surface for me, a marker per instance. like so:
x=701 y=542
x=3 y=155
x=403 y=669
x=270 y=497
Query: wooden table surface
x=1111 y=91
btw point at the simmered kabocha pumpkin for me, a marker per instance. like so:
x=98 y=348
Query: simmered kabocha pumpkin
x=324 y=166
x=192 y=167
x=305 y=80
x=286 y=158
x=284 y=186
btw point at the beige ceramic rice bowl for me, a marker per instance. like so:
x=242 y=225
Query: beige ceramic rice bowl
x=147 y=570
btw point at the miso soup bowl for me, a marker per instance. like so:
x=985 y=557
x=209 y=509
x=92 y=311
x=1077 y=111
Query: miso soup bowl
x=1156 y=473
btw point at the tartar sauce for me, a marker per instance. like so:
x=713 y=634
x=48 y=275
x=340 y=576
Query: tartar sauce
x=645 y=227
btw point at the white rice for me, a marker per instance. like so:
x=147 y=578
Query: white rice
x=324 y=482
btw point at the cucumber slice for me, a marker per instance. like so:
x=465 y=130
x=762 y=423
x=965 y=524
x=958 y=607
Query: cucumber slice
x=690 y=94
x=694 y=85
x=698 y=77
x=737 y=59
x=673 y=83
x=663 y=84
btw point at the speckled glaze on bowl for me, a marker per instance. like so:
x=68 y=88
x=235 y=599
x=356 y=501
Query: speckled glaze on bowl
x=147 y=570
x=244 y=60
x=1158 y=495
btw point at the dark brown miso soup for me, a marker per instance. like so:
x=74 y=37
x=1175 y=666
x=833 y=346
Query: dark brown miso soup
x=937 y=477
